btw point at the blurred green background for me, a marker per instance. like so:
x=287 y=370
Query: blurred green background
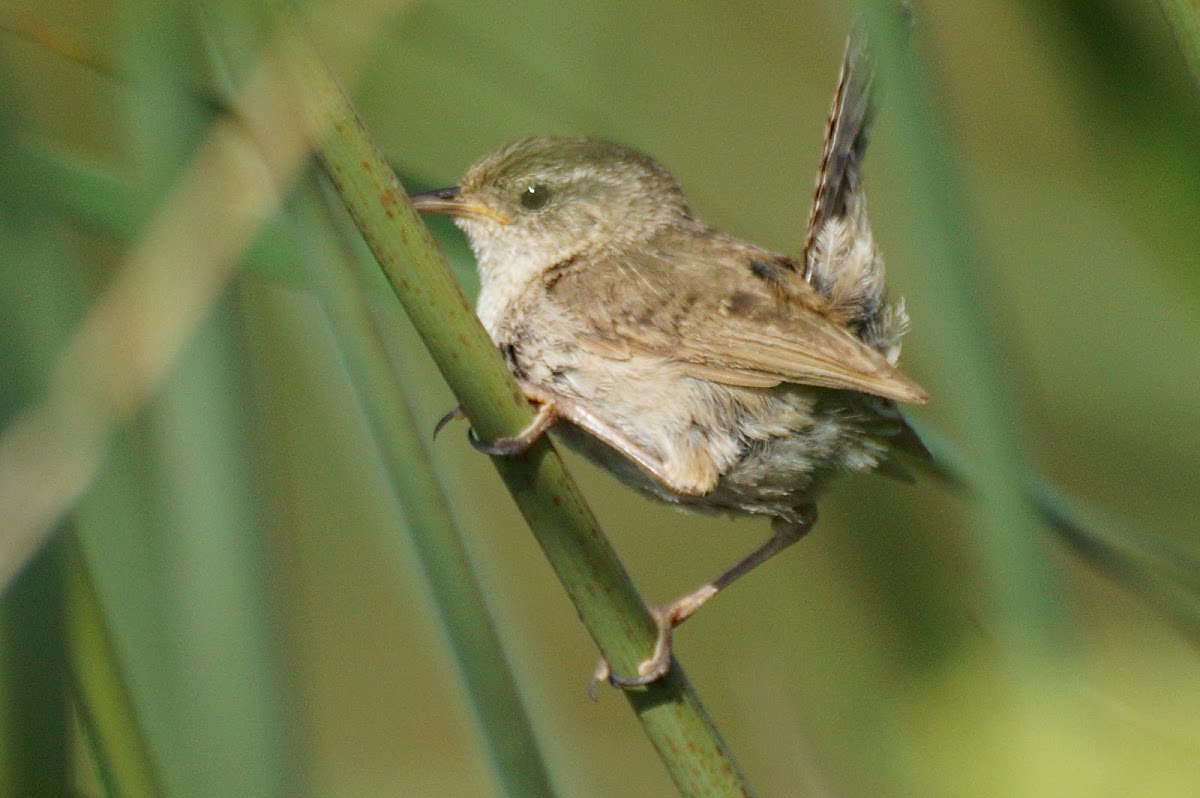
x=271 y=619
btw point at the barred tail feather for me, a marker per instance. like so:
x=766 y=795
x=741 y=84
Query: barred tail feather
x=840 y=258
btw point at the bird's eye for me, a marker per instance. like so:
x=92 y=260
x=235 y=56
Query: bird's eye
x=534 y=197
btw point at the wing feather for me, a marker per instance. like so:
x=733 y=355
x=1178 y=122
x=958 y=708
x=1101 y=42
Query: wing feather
x=726 y=311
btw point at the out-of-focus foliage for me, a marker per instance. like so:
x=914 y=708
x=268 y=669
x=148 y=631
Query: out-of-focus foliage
x=276 y=640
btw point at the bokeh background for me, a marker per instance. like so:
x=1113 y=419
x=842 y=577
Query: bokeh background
x=272 y=620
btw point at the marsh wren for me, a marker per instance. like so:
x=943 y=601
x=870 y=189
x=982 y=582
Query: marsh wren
x=698 y=367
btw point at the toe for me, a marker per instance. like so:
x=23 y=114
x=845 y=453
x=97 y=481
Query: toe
x=501 y=447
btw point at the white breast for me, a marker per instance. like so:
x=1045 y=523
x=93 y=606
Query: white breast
x=507 y=267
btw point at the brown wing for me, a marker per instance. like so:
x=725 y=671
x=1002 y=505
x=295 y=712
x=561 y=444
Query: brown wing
x=726 y=311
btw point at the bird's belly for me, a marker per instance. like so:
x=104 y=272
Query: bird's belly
x=761 y=451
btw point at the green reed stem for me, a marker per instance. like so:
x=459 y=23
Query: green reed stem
x=672 y=716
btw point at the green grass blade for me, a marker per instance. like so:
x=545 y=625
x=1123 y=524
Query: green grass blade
x=101 y=687
x=1184 y=16
x=1162 y=573
x=34 y=748
x=493 y=697
x=1024 y=596
x=93 y=197
x=39 y=292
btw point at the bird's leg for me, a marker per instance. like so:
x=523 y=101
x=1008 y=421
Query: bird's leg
x=510 y=446
x=668 y=616
x=553 y=407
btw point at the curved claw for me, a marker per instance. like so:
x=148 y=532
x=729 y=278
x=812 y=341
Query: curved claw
x=454 y=414
x=501 y=447
x=650 y=670
x=520 y=443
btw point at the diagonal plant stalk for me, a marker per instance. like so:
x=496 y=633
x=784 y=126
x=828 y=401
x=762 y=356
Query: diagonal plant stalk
x=1184 y=18
x=671 y=714
x=52 y=449
x=35 y=751
x=483 y=665
x=1164 y=575
x=101 y=692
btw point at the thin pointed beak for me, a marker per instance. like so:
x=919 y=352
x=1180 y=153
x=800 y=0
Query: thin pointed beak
x=450 y=201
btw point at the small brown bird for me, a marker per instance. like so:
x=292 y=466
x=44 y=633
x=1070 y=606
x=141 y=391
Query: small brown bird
x=696 y=366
